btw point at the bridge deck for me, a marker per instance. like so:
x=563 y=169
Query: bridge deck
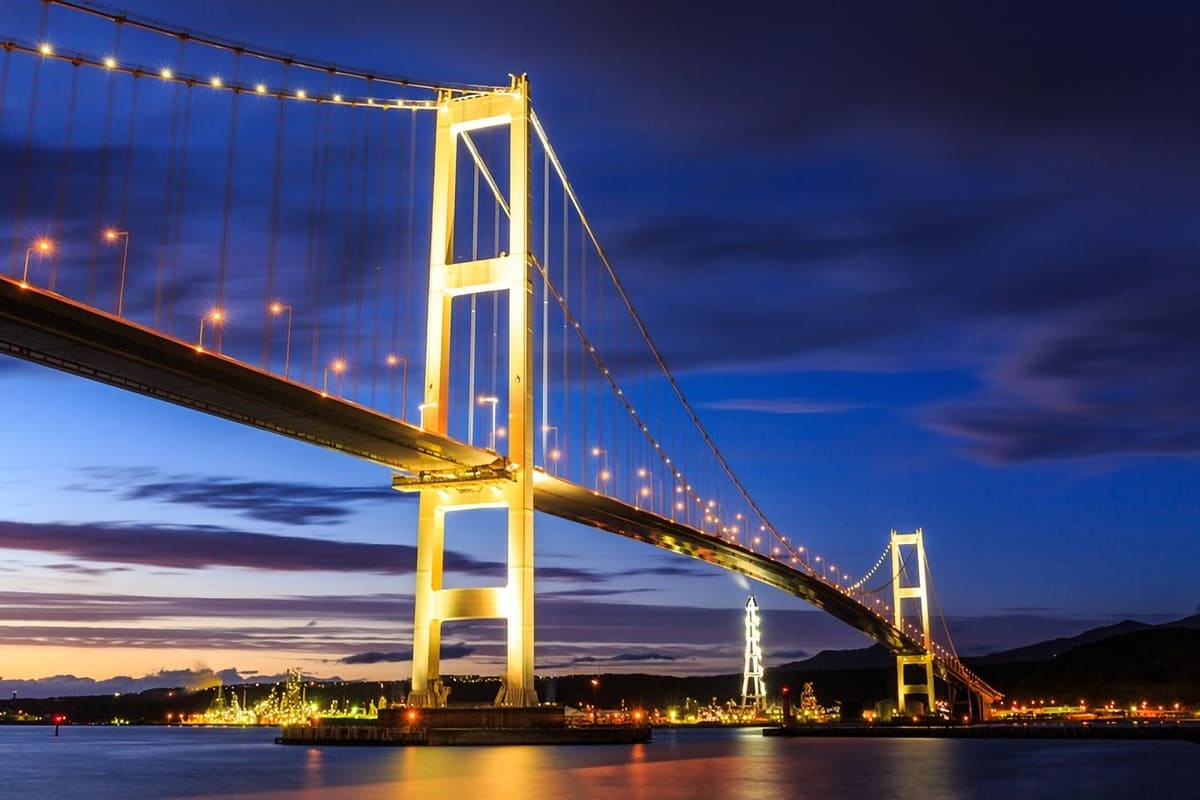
x=49 y=329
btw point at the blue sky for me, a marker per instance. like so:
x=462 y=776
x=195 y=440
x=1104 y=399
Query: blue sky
x=924 y=267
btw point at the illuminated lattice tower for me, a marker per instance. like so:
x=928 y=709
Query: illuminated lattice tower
x=753 y=693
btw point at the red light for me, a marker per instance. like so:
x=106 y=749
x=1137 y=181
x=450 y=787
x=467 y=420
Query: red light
x=58 y=719
x=412 y=715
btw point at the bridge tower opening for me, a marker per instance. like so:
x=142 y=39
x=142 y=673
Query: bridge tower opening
x=914 y=673
x=509 y=484
x=754 y=694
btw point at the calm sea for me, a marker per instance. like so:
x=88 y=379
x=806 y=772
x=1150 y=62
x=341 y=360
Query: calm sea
x=143 y=763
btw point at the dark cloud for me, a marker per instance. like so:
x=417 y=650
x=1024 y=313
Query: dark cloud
x=624 y=657
x=199 y=547
x=450 y=650
x=291 y=503
x=90 y=571
x=1115 y=385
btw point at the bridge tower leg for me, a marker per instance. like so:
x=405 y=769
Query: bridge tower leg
x=902 y=594
x=449 y=278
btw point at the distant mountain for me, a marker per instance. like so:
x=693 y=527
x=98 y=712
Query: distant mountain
x=1049 y=650
x=1160 y=664
x=873 y=657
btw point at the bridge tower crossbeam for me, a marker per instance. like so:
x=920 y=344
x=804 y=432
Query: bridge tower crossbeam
x=509 y=487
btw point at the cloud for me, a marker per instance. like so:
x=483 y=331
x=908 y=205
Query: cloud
x=291 y=503
x=624 y=657
x=767 y=406
x=450 y=650
x=1118 y=384
x=199 y=547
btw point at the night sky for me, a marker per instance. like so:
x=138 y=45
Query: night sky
x=927 y=264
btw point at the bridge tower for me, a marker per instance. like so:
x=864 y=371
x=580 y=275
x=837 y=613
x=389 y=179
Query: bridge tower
x=754 y=694
x=509 y=485
x=903 y=593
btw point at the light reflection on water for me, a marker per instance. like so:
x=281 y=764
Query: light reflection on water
x=245 y=764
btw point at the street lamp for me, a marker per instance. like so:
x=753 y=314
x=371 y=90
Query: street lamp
x=392 y=361
x=216 y=317
x=552 y=454
x=603 y=474
x=278 y=308
x=493 y=401
x=646 y=491
x=338 y=366
x=112 y=235
x=43 y=247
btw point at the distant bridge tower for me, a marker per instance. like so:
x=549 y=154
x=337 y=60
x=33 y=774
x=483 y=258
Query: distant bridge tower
x=753 y=693
x=511 y=488
x=904 y=591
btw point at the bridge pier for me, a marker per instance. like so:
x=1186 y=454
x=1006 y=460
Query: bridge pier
x=508 y=482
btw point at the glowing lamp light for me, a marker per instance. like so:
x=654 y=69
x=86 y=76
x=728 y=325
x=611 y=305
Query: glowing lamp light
x=166 y=74
x=45 y=49
x=110 y=63
x=216 y=81
x=261 y=88
x=300 y=93
x=337 y=98
x=393 y=360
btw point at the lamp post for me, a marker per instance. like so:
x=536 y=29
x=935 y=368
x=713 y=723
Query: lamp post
x=603 y=474
x=112 y=235
x=553 y=454
x=215 y=317
x=278 y=308
x=392 y=361
x=338 y=366
x=645 y=491
x=42 y=247
x=493 y=401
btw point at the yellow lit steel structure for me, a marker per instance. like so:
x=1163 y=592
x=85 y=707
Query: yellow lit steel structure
x=901 y=593
x=509 y=485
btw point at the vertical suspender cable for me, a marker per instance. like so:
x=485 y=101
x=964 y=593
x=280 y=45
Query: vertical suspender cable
x=164 y=237
x=227 y=206
x=273 y=225
x=473 y=332
x=380 y=194
x=23 y=181
x=545 y=305
x=181 y=176
x=102 y=186
x=126 y=178
x=347 y=220
x=322 y=218
x=412 y=198
x=65 y=167
x=361 y=261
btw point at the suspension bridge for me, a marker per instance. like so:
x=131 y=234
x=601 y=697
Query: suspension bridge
x=283 y=243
